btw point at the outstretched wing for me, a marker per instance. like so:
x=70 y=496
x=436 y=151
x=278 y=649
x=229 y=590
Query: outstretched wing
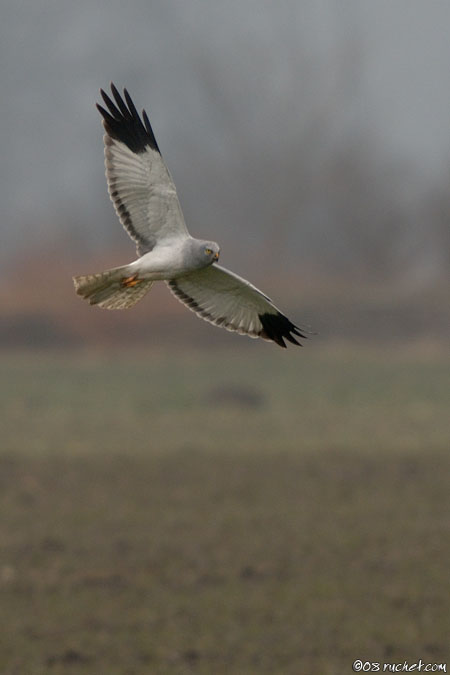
x=139 y=183
x=225 y=299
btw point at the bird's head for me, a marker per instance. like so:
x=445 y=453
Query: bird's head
x=202 y=253
x=211 y=250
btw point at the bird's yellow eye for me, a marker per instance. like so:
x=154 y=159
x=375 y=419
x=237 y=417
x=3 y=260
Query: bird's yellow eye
x=208 y=251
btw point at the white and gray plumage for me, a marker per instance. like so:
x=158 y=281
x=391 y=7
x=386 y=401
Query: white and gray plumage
x=145 y=199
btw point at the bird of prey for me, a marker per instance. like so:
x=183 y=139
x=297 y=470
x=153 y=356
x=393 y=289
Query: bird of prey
x=145 y=199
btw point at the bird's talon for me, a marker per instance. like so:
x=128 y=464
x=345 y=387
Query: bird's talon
x=129 y=282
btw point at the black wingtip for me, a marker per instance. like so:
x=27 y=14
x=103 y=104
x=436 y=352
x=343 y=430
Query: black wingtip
x=277 y=327
x=114 y=90
x=123 y=123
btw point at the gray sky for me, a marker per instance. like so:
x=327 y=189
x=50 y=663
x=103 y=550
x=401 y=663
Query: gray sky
x=225 y=85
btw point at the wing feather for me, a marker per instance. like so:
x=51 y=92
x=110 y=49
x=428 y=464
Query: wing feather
x=225 y=299
x=139 y=183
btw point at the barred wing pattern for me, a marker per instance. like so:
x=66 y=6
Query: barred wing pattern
x=225 y=299
x=139 y=183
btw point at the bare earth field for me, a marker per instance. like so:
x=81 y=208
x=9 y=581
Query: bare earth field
x=250 y=512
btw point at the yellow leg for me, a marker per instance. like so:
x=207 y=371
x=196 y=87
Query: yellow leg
x=129 y=282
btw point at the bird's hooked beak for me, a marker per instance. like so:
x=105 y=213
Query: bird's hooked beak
x=216 y=257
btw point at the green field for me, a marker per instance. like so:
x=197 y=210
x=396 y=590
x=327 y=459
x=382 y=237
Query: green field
x=256 y=512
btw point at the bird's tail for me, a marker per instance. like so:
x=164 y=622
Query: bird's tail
x=113 y=289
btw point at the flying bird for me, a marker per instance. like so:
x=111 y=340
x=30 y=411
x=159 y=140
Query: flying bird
x=145 y=199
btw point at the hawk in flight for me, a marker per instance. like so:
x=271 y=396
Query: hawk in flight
x=145 y=199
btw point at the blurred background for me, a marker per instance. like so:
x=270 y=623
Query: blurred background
x=310 y=139
x=182 y=499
